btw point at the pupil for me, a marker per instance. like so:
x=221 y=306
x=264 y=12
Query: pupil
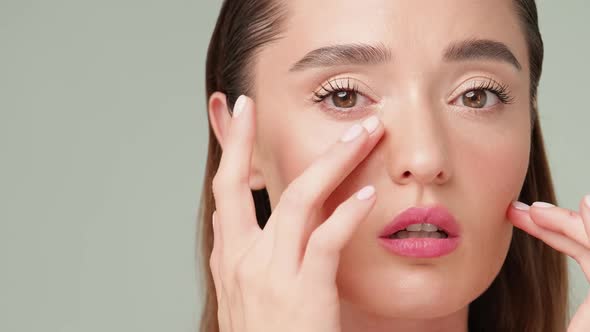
x=475 y=98
x=344 y=99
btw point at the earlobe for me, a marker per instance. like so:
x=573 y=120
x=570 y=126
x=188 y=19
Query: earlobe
x=220 y=120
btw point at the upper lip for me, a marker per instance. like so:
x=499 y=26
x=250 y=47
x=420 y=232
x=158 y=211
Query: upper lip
x=436 y=215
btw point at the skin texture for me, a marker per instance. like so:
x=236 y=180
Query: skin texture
x=434 y=150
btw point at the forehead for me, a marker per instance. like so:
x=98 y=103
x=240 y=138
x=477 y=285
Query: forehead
x=414 y=30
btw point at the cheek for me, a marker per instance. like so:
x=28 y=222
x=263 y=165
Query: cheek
x=291 y=145
x=490 y=174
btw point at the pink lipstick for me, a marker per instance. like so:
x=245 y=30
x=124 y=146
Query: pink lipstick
x=422 y=232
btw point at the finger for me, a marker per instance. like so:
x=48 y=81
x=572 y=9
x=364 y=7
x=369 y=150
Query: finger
x=213 y=259
x=307 y=193
x=322 y=254
x=217 y=283
x=233 y=198
x=585 y=213
x=557 y=241
x=560 y=220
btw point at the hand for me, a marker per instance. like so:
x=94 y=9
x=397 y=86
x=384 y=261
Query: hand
x=283 y=278
x=563 y=230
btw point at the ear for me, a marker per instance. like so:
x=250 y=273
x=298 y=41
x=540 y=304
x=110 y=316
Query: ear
x=220 y=120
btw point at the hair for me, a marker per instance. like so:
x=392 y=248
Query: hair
x=529 y=294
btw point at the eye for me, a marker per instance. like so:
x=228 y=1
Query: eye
x=344 y=98
x=478 y=99
x=341 y=97
x=484 y=95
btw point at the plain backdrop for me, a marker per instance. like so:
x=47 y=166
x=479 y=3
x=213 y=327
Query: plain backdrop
x=103 y=144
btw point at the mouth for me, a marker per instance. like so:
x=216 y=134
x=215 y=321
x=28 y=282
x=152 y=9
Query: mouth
x=421 y=232
x=424 y=230
x=421 y=222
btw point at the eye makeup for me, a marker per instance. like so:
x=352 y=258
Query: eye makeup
x=345 y=93
x=340 y=97
x=478 y=88
x=502 y=91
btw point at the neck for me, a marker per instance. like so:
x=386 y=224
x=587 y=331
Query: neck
x=355 y=320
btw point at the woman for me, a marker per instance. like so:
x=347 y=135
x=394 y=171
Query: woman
x=389 y=148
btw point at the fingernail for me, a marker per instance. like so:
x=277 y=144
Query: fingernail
x=587 y=201
x=239 y=105
x=352 y=133
x=213 y=217
x=365 y=193
x=371 y=123
x=543 y=204
x=520 y=205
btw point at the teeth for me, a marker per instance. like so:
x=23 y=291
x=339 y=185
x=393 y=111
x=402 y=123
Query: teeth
x=426 y=227
x=421 y=234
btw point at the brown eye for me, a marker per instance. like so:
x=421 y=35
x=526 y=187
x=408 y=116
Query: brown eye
x=344 y=99
x=475 y=98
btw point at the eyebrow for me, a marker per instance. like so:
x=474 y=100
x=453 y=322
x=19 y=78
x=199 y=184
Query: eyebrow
x=474 y=49
x=344 y=54
x=366 y=54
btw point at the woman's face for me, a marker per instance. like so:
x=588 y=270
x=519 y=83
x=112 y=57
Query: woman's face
x=442 y=144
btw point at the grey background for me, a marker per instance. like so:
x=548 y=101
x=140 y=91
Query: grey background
x=103 y=144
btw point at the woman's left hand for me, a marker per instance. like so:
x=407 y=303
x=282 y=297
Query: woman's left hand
x=564 y=230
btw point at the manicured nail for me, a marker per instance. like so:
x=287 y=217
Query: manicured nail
x=520 y=205
x=543 y=204
x=352 y=133
x=239 y=105
x=587 y=201
x=371 y=123
x=365 y=193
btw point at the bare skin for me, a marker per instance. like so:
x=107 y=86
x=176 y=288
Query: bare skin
x=439 y=141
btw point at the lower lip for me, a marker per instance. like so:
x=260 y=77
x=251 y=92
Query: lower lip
x=420 y=247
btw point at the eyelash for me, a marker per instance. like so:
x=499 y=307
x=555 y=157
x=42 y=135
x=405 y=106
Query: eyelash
x=331 y=90
x=500 y=90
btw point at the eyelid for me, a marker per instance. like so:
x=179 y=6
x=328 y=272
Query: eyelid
x=340 y=81
x=469 y=84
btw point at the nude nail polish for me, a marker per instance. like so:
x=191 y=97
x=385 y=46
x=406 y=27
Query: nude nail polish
x=371 y=123
x=239 y=105
x=520 y=205
x=352 y=133
x=543 y=204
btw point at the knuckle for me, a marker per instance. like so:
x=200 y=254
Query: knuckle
x=244 y=273
x=319 y=245
x=219 y=184
x=212 y=262
x=297 y=198
x=222 y=184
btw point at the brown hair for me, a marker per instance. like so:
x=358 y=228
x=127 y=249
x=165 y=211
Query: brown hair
x=530 y=291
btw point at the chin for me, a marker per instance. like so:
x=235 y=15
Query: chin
x=415 y=296
x=427 y=304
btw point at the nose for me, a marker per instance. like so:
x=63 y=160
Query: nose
x=417 y=149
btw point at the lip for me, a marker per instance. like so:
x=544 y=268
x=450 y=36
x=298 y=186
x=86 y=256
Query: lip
x=436 y=215
x=422 y=247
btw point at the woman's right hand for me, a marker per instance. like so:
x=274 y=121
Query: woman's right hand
x=283 y=278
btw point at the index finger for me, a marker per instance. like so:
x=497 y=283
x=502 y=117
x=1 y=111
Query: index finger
x=233 y=198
